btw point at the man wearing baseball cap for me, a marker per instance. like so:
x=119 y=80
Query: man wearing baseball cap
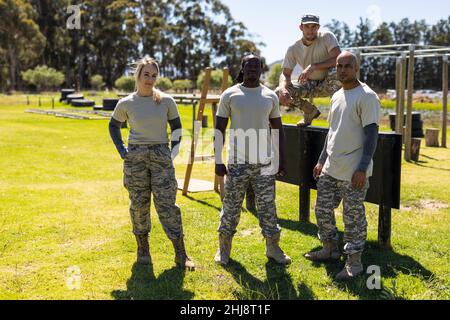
x=316 y=53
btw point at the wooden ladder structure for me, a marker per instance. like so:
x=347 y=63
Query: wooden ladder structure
x=204 y=99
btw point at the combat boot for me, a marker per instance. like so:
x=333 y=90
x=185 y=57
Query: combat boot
x=181 y=258
x=143 y=251
x=274 y=251
x=329 y=252
x=223 y=253
x=353 y=267
x=310 y=112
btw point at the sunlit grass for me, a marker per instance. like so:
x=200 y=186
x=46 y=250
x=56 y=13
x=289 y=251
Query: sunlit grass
x=62 y=204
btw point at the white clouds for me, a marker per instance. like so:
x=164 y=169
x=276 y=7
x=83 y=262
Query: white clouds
x=373 y=13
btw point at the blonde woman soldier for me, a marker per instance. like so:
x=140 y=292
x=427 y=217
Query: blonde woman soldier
x=148 y=167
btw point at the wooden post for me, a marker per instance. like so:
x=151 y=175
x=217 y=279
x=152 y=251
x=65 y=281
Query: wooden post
x=432 y=137
x=194 y=112
x=444 y=99
x=398 y=79
x=384 y=209
x=384 y=226
x=196 y=132
x=53 y=103
x=409 y=106
x=39 y=102
x=219 y=182
x=28 y=100
x=358 y=57
x=305 y=202
x=401 y=118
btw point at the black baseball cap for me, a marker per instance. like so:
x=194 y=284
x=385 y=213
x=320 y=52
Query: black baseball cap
x=310 y=18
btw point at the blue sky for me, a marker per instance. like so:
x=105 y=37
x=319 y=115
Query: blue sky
x=275 y=22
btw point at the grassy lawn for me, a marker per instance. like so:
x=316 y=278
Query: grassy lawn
x=63 y=208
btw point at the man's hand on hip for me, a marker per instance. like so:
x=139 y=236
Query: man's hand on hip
x=221 y=170
x=317 y=170
x=359 y=180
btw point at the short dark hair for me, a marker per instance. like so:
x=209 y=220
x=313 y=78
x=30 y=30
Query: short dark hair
x=245 y=59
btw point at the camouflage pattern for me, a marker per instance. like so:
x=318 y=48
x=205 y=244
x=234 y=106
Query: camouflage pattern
x=354 y=212
x=148 y=169
x=239 y=177
x=312 y=89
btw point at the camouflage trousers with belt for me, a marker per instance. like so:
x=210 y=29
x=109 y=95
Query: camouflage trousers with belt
x=301 y=92
x=239 y=178
x=148 y=169
x=329 y=191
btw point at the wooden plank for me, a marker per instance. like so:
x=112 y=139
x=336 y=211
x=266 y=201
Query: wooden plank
x=444 y=100
x=398 y=76
x=204 y=158
x=401 y=118
x=409 y=107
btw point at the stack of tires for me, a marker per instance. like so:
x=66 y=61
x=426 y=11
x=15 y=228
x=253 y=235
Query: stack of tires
x=110 y=104
x=65 y=93
x=82 y=103
x=417 y=124
x=74 y=96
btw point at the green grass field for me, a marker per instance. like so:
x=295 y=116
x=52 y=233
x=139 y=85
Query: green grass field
x=64 y=210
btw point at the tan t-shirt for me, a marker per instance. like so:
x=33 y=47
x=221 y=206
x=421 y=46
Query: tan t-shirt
x=148 y=120
x=318 y=51
x=250 y=110
x=350 y=112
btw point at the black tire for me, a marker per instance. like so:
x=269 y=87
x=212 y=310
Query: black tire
x=417 y=133
x=416 y=120
x=65 y=93
x=110 y=104
x=98 y=108
x=82 y=103
x=71 y=97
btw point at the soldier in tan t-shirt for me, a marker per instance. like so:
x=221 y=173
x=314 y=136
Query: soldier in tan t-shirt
x=316 y=53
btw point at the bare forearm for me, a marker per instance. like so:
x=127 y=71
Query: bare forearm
x=285 y=77
x=329 y=63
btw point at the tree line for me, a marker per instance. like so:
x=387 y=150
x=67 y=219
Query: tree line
x=185 y=36
x=379 y=72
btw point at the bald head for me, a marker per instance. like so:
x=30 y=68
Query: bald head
x=347 y=67
x=347 y=57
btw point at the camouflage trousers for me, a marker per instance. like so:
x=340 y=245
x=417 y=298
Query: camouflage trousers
x=239 y=177
x=329 y=190
x=148 y=169
x=312 y=89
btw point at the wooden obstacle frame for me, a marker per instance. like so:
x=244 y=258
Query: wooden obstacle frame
x=405 y=55
x=198 y=118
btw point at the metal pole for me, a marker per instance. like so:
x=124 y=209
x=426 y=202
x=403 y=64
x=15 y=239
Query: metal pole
x=444 y=100
x=408 y=131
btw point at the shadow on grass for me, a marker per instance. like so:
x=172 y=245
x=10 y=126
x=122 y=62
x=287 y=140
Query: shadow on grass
x=203 y=203
x=391 y=264
x=143 y=285
x=277 y=286
x=421 y=164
